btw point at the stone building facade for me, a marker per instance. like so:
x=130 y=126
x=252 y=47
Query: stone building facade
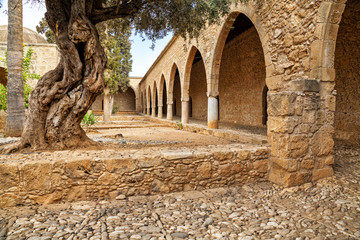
x=45 y=56
x=271 y=64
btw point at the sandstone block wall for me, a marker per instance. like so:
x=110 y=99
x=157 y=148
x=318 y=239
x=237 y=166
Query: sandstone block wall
x=74 y=176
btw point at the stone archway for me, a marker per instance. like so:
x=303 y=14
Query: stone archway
x=197 y=89
x=347 y=79
x=148 y=102
x=162 y=97
x=154 y=112
x=174 y=93
x=194 y=99
x=242 y=74
x=3 y=76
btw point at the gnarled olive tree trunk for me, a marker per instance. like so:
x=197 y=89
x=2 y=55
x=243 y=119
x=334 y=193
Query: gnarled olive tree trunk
x=62 y=96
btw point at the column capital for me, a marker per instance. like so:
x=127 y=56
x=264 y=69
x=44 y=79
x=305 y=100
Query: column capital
x=212 y=94
x=185 y=99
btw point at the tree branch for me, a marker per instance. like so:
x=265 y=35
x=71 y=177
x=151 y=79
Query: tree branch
x=121 y=10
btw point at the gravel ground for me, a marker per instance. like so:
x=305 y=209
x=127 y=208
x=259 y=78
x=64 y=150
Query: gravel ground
x=328 y=209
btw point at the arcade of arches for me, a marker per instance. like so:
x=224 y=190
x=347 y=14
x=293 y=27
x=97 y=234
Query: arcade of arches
x=275 y=75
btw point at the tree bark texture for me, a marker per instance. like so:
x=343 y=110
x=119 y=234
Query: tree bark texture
x=15 y=119
x=62 y=96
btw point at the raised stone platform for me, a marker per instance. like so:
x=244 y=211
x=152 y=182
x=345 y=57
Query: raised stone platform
x=48 y=177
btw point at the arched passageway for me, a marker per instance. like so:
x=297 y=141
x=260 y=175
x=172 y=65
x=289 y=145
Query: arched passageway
x=242 y=76
x=125 y=101
x=347 y=80
x=177 y=94
x=164 y=97
x=3 y=76
x=149 y=102
x=143 y=102
x=197 y=88
x=155 y=99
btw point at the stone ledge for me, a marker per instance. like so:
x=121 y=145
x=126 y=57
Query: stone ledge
x=68 y=176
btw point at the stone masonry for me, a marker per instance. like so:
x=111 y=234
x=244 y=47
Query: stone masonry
x=294 y=53
x=68 y=176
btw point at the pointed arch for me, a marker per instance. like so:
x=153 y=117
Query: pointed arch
x=222 y=35
x=163 y=95
x=187 y=74
x=161 y=89
x=174 y=69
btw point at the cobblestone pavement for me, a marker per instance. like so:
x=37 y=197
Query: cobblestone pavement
x=328 y=209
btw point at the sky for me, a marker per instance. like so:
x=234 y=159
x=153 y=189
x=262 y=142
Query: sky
x=142 y=56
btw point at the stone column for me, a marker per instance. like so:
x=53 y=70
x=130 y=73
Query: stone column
x=169 y=111
x=213 y=113
x=301 y=140
x=153 y=113
x=160 y=111
x=107 y=110
x=185 y=108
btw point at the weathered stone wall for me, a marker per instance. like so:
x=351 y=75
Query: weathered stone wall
x=242 y=80
x=347 y=81
x=125 y=101
x=130 y=100
x=93 y=175
x=197 y=91
x=45 y=58
x=98 y=104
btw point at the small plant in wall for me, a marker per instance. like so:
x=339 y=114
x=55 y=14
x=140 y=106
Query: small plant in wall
x=179 y=126
x=88 y=120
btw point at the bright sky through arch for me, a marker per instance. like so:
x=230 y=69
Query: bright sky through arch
x=142 y=56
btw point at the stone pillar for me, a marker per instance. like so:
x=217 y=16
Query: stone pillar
x=160 y=111
x=107 y=110
x=213 y=113
x=169 y=111
x=301 y=140
x=153 y=113
x=185 y=111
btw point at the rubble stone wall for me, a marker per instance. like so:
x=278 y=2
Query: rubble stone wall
x=76 y=176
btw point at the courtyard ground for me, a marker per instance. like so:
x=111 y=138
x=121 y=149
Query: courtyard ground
x=328 y=209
